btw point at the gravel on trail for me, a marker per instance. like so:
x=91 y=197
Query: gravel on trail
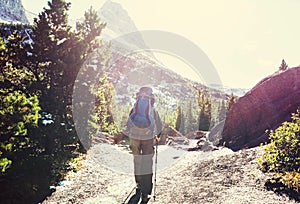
x=183 y=177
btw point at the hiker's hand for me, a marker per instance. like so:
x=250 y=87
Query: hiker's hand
x=156 y=139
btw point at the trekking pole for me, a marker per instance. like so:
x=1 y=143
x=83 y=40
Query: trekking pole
x=154 y=190
x=128 y=195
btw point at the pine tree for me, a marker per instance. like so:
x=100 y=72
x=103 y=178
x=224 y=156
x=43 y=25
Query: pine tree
x=89 y=28
x=48 y=72
x=104 y=95
x=178 y=125
x=19 y=108
x=191 y=122
x=58 y=55
x=14 y=63
x=209 y=112
x=283 y=66
x=167 y=111
x=205 y=106
x=230 y=101
x=183 y=124
x=51 y=34
x=222 y=111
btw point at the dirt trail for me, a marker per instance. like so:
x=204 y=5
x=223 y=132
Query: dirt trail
x=219 y=176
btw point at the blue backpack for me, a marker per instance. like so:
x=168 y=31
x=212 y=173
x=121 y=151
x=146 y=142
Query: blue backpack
x=142 y=114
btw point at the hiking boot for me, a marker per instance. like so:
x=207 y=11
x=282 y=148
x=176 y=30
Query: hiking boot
x=136 y=197
x=145 y=199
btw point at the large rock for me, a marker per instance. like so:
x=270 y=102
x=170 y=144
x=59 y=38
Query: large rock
x=266 y=106
x=169 y=133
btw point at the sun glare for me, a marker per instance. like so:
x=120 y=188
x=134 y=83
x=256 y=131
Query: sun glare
x=177 y=65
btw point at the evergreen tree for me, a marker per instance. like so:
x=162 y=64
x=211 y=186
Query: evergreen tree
x=167 y=111
x=183 y=122
x=121 y=113
x=104 y=94
x=18 y=108
x=283 y=66
x=59 y=54
x=88 y=95
x=222 y=111
x=179 y=119
x=191 y=122
x=40 y=156
x=14 y=64
x=205 y=106
x=19 y=113
x=230 y=101
x=89 y=28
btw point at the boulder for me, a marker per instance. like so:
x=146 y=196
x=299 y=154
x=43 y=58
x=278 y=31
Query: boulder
x=215 y=134
x=208 y=146
x=168 y=132
x=203 y=145
x=173 y=141
x=264 y=107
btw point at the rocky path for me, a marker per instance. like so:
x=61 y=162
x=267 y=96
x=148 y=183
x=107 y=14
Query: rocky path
x=220 y=176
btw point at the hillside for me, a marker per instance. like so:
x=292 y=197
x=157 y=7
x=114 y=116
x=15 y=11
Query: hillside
x=130 y=69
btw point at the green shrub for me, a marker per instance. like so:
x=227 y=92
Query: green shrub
x=17 y=113
x=281 y=156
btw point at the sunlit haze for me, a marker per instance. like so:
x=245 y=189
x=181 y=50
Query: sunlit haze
x=245 y=40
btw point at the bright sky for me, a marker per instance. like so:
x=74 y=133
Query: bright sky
x=244 y=39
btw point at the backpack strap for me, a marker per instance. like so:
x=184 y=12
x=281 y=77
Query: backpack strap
x=148 y=109
x=134 y=110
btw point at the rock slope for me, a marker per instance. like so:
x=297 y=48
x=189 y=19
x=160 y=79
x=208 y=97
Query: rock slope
x=266 y=106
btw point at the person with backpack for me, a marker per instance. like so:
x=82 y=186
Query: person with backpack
x=144 y=127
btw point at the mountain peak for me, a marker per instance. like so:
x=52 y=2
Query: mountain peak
x=111 y=4
x=117 y=18
x=119 y=23
x=12 y=11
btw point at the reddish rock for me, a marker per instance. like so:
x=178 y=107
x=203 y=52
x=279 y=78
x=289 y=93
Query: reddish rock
x=265 y=107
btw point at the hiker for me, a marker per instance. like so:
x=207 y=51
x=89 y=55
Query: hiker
x=144 y=127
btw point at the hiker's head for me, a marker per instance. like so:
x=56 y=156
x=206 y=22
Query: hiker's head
x=146 y=91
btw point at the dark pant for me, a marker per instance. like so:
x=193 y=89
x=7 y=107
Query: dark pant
x=143 y=152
